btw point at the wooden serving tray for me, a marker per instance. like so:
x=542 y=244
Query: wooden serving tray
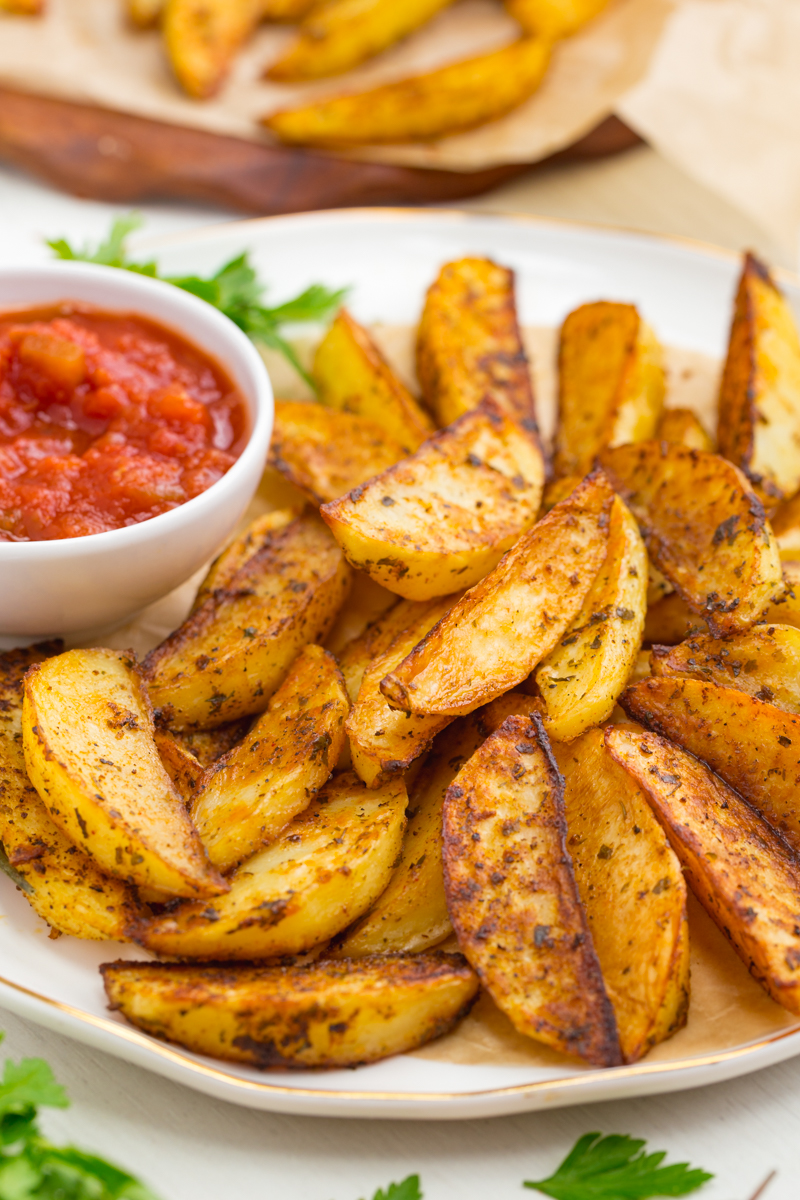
x=107 y=155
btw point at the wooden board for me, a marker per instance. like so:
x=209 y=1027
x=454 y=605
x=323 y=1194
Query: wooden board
x=114 y=156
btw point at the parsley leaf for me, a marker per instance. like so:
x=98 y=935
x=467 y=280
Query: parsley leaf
x=617 y=1168
x=409 y=1189
x=234 y=289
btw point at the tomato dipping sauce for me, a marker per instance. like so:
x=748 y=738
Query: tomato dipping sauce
x=106 y=420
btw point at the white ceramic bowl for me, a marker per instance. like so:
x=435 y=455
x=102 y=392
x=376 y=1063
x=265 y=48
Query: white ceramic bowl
x=83 y=584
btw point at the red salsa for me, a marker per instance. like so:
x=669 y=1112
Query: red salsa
x=106 y=420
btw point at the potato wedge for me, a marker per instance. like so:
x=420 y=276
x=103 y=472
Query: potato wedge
x=249 y=796
x=352 y=374
x=610 y=384
x=384 y=742
x=340 y=34
x=326 y=869
x=558 y=490
x=513 y=899
x=469 y=344
x=208 y=745
x=785 y=522
x=63 y=886
x=764 y=662
x=202 y=38
x=235 y=650
x=680 y=425
x=87 y=735
x=242 y=549
x=325 y=452
x=286 y=10
x=741 y=870
x=703 y=527
x=503 y=627
x=23 y=8
x=183 y=768
x=326 y=1014
x=375 y=640
x=144 y=13
x=441 y=519
x=554 y=19
x=785 y=608
x=759 y=401
x=455 y=97
x=753 y=746
x=580 y=679
x=632 y=888
x=670 y=620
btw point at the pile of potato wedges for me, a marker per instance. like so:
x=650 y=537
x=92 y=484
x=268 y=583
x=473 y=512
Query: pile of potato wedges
x=572 y=693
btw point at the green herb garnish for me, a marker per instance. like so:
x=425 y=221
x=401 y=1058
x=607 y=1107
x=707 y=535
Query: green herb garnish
x=409 y=1189
x=617 y=1168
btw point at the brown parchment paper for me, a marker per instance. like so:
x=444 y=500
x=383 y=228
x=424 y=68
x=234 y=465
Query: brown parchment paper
x=727 y=1007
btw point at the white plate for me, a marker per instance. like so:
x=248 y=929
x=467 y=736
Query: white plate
x=390 y=257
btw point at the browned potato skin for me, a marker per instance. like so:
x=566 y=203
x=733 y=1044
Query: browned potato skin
x=469 y=345
x=493 y=638
x=742 y=872
x=513 y=899
x=252 y=793
x=233 y=652
x=703 y=527
x=209 y=745
x=326 y=452
x=244 y=547
x=753 y=746
x=326 y=1014
x=632 y=888
x=680 y=425
x=183 y=768
x=202 y=38
x=63 y=885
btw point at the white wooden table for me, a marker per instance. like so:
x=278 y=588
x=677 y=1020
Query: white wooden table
x=188 y=1146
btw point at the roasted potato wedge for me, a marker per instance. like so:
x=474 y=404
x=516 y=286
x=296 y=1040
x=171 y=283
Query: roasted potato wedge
x=87 y=735
x=375 y=640
x=441 y=519
x=610 y=384
x=455 y=97
x=327 y=453
x=340 y=34
x=144 y=13
x=234 y=651
x=286 y=10
x=202 y=38
x=248 y=797
x=785 y=608
x=670 y=620
x=785 y=522
x=759 y=401
x=244 y=547
x=503 y=627
x=384 y=742
x=632 y=888
x=680 y=425
x=208 y=745
x=326 y=1014
x=764 y=662
x=23 y=8
x=753 y=746
x=63 y=886
x=554 y=19
x=352 y=374
x=703 y=527
x=558 y=490
x=183 y=768
x=469 y=344
x=580 y=679
x=512 y=896
x=741 y=870
x=326 y=869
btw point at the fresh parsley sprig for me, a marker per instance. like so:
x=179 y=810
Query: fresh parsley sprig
x=234 y=289
x=617 y=1168
x=409 y=1189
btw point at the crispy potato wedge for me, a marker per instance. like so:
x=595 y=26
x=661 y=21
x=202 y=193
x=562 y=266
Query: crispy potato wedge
x=753 y=746
x=23 y=8
x=242 y=549
x=759 y=401
x=235 y=650
x=340 y=34
x=326 y=453
x=325 y=870
x=503 y=627
x=580 y=679
x=632 y=888
x=469 y=344
x=384 y=742
x=251 y=794
x=208 y=745
x=680 y=425
x=743 y=873
x=352 y=374
x=375 y=640
x=764 y=662
x=183 y=768
x=202 y=38
x=670 y=620
x=441 y=519
x=785 y=522
x=703 y=527
x=286 y=10
x=512 y=896
x=785 y=608
x=455 y=97
x=554 y=19
x=326 y=1014
x=144 y=13
x=63 y=886
x=558 y=490
x=610 y=384
x=87 y=735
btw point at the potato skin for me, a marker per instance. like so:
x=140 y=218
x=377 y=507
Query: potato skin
x=183 y=768
x=202 y=38
x=743 y=873
x=441 y=519
x=239 y=552
x=512 y=895
x=554 y=18
x=327 y=1014
x=680 y=425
